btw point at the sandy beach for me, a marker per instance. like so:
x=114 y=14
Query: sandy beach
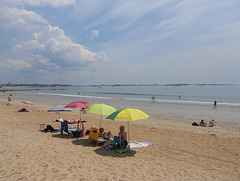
x=179 y=151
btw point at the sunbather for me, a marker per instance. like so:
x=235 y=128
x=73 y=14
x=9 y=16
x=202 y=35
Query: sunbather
x=122 y=134
x=203 y=123
x=212 y=123
x=105 y=135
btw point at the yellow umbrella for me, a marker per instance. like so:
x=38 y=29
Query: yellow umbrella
x=128 y=114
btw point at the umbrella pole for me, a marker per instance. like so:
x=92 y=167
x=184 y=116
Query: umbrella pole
x=59 y=121
x=80 y=114
x=128 y=134
x=101 y=122
x=79 y=125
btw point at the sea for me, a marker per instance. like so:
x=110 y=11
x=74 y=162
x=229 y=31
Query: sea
x=192 y=102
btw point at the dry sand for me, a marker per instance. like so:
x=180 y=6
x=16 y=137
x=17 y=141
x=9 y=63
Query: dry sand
x=180 y=151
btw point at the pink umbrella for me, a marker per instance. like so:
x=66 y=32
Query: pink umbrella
x=78 y=104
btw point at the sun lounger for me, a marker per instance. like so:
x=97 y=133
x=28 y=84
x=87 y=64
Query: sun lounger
x=69 y=130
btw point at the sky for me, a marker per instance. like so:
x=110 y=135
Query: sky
x=83 y=42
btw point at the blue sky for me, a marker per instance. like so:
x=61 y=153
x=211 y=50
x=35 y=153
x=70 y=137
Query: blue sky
x=109 y=42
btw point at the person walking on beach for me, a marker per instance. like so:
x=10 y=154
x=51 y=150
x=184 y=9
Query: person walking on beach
x=9 y=100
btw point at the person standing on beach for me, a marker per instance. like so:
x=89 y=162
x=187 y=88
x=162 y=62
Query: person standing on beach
x=9 y=100
x=153 y=98
x=215 y=104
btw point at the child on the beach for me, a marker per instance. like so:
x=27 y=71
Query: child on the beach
x=122 y=134
x=9 y=100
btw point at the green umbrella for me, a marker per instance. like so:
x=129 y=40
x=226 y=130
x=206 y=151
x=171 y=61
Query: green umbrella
x=102 y=109
x=128 y=114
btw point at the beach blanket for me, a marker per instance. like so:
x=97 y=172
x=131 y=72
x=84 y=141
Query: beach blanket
x=136 y=144
x=57 y=129
x=71 y=129
x=25 y=110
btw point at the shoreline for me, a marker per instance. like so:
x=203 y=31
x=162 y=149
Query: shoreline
x=223 y=129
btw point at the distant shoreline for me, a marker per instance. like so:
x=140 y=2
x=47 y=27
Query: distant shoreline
x=21 y=87
x=37 y=87
x=115 y=85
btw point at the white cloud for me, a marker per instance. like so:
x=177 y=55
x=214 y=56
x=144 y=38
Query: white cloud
x=95 y=33
x=15 y=64
x=32 y=46
x=53 y=3
x=54 y=50
x=20 y=19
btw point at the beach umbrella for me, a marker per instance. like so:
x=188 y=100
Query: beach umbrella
x=58 y=109
x=27 y=102
x=102 y=109
x=128 y=114
x=78 y=104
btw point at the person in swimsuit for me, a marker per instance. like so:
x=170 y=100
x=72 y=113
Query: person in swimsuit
x=105 y=135
x=212 y=123
x=122 y=134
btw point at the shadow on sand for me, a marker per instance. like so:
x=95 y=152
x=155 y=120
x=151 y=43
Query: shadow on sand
x=63 y=136
x=84 y=142
x=112 y=153
x=103 y=152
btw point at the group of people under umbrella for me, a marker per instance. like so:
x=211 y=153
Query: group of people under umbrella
x=127 y=114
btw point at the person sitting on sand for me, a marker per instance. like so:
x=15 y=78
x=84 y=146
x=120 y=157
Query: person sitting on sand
x=122 y=134
x=212 y=123
x=203 y=123
x=23 y=110
x=105 y=135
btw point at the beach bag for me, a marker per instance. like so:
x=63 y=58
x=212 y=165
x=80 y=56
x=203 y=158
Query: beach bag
x=49 y=128
x=195 y=124
x=109 y=145
x=77 y=134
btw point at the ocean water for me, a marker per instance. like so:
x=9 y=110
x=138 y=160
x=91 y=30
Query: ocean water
x=195 y=101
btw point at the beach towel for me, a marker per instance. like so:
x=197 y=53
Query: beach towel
x=136 y=144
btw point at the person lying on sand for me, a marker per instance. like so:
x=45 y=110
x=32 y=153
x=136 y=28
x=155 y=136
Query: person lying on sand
x=23 y=110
